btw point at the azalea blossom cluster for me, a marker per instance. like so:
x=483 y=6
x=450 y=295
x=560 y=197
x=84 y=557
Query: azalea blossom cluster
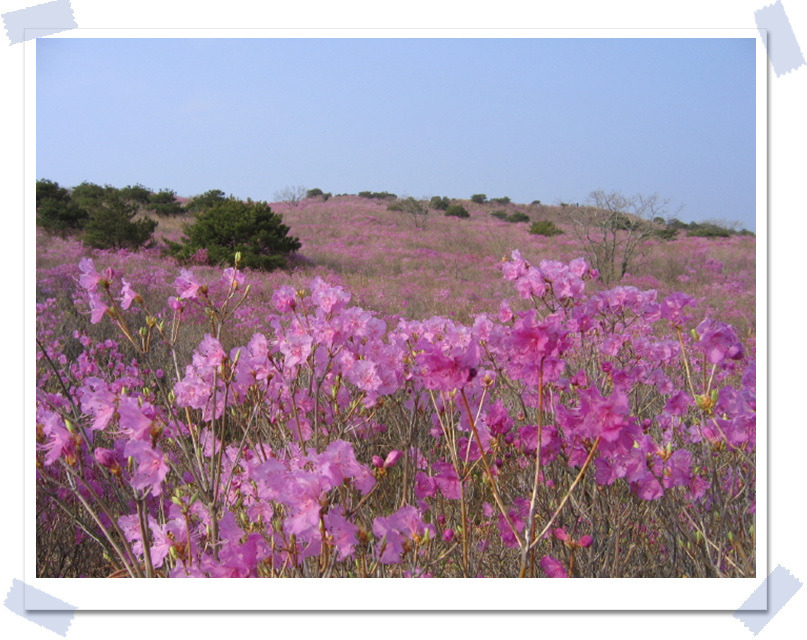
x=337 y=443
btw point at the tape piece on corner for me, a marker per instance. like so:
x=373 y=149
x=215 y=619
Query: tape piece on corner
x=43 y=608
x=779 y=587
x=783 y=48
x=39 y=20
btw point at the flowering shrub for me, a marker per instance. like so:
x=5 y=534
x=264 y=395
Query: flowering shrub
x=554 y=441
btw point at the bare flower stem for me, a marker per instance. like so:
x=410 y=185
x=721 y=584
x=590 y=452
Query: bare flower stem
x=568 y=493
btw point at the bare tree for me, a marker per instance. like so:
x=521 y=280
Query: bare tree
x=417 y=209
x=614 y=227
x=291 y=195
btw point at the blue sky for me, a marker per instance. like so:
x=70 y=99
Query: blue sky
x=531 y=119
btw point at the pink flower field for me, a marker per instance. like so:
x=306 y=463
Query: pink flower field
x=454 y=399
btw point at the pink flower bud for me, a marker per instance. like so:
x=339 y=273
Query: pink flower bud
x=392 y=457
x=560 y=534
x=105 y=457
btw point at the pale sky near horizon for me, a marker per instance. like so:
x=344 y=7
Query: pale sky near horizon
x=531 y=119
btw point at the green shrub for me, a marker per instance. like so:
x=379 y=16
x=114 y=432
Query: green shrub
x=535 y=202
x=165 y=203
x=137 y=194
x=504 y=200
x=441 y=204
x=88 y=194
x=205 y=201
x=479 y=198
x=545 y=228
x=379 y=195
x=675 y=223
x=49 y=190
x=250 y=228
x=55 y=209
x=518 y=216
x=111 y=224
x=457 y=211
x=707 y=230
x=667 y=233
x=318 y=193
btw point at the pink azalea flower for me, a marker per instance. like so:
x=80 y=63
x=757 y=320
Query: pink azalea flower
x=89 y=277
x=396 y=530
x=302 y=494
x=719 y=341
x=648 y=487
x=447 y=480
x=341 y=531
x=60 y=440
x=151 y=466
x=338 y=462
x=128 y=295
x=676 y=469
x=672 y=308
x=99 y=401
x=209 y=354
x=97 y=307
x=133 y=421
x=425 y=486
x=284 y=299
x=296 y=349
x=327 y=297
x=186 y=285
x=553 y=568
x=518 y=516
x=364 y=375
x=607 y=471
x=604 y=417
x=232 y=278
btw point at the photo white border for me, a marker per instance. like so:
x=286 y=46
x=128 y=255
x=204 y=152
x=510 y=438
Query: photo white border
x=649 y=594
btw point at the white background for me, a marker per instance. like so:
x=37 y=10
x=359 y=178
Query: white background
x=787 y=212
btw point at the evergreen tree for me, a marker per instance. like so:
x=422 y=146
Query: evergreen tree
x=55 y=209
x=250 y=228
x=111 y=224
